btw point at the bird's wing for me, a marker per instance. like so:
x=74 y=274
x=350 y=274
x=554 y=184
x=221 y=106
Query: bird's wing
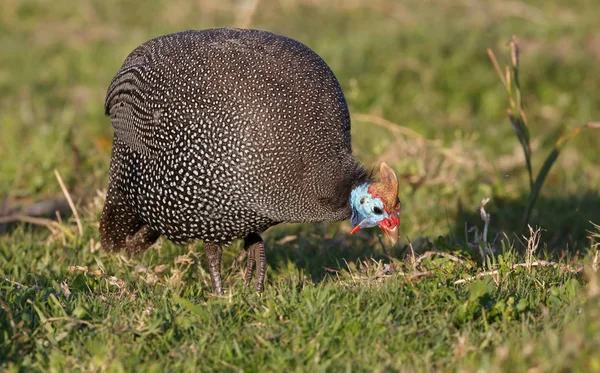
x=133 y=109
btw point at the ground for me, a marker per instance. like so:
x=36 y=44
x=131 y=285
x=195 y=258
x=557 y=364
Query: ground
x=423 y=96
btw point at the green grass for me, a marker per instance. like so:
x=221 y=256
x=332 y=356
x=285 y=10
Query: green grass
x=424 y=98
x=158 y=315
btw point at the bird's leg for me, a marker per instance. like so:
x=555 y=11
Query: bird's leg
x=251 y=265
x=140 y=240
x=261 y=266
x=213 y=254
x=257 y=259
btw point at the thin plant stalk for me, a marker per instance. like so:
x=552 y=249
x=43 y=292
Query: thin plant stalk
x=518 y=119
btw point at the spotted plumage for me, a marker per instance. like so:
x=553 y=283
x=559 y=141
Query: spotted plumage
x=220 y=134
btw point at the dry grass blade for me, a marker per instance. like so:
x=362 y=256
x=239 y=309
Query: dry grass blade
x=476 y=277
x=28 y=219
x=595 y=236
x=16 y=284
x=563 y=140
x=429 y=254
x=390 y=126
x=111 y=280
x=416 y=275
x=494 y=60
x=69 y=319
x=438 y=163
x=413 y=261
x=537 y=263
x=532 y=244
x=387 y=270
x=54 y=227
x=70 y=201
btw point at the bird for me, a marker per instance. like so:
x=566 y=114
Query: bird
x=222 y=133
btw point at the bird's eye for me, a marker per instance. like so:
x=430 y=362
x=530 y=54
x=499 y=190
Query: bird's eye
x=362 y=200
x=377 y=210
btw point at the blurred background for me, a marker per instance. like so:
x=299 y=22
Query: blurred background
x=421 y=90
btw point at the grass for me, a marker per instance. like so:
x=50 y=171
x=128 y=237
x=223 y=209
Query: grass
x=155 y=312
x=423 y=97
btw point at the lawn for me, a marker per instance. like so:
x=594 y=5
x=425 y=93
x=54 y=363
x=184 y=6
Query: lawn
x=461 y=291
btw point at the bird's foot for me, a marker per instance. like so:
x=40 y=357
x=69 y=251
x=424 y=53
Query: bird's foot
x=237 y=263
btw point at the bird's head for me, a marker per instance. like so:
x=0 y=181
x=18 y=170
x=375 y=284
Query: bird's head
x=377 y=203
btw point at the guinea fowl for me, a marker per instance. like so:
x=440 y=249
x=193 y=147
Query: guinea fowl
x=220 y=134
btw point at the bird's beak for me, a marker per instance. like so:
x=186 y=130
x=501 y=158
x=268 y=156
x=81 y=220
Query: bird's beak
x=390 y=228
x=392 y=233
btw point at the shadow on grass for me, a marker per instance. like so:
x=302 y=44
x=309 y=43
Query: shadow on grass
x=565 y=220
x=319 y=253
x=318 y=250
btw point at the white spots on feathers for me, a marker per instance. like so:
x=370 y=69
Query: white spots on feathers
x=221 y=133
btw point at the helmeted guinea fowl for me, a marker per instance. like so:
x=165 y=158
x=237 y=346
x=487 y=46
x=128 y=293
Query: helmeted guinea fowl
x=220 y=134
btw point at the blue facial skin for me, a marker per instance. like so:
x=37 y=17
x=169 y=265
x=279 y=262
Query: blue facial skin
x=367 y=211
